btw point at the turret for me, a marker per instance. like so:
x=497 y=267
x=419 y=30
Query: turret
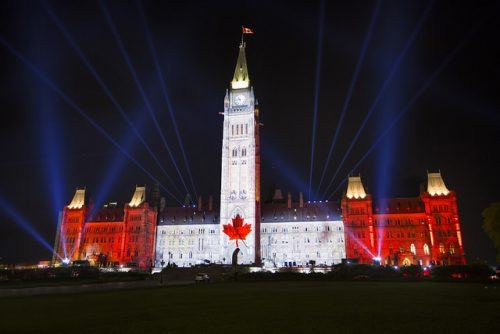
x=138 y=198
x=78 y=200
x=358 y=222
x=435 y=185
x=140 y=226
x=443 y=221
x=226 y=101
x=69 y=233
x=355 y=188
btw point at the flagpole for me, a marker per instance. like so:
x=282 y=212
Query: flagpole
x=242 y=35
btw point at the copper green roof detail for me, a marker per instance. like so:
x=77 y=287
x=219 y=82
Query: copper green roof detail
x=240 y=78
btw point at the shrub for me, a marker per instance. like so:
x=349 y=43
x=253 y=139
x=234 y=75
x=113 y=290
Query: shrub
x=472 y=272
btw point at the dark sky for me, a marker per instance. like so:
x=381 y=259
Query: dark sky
x=47 y=148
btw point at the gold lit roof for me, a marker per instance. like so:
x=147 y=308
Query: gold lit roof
x=435 y=185
x=78 y=200
x=139 y=197
x=240 y=78
x=355 y=188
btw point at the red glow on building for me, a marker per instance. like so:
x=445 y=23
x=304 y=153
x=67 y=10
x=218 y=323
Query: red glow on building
x=403 y=231
x=111 y=235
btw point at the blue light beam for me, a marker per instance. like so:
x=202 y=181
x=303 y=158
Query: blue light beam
x=361 y=244
x=23 y=223
x=347 y=100
x=41 y=75
x=393 y=71
x=116 y=165
x=321 y=27
x=71 y=41
x=163 y=85
x=410 y=104
x=141 y=89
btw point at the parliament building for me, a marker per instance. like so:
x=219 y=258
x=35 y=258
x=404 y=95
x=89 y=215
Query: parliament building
x=284 y=232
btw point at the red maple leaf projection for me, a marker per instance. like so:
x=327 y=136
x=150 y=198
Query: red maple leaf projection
x=238 y=230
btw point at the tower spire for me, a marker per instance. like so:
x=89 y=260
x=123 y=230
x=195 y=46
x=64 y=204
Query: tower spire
x=240 y=77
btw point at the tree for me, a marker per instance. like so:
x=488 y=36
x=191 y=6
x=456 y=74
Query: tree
x=491 y=225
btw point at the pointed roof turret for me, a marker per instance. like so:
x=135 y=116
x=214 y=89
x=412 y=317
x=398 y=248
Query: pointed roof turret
x=139 y=197
x=355 y=188
x=241 y=78
x=78 y=200
x=435 y=185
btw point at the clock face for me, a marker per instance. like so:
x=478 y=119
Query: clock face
x=239 y=99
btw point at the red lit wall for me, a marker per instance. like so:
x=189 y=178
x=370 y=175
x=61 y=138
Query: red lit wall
x=128 y=237
x=402 y=231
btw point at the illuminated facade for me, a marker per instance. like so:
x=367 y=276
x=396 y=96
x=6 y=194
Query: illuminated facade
x=291 y=234
x=398 y=231
x=109 y=235
x=403 y=231
x=240 y=170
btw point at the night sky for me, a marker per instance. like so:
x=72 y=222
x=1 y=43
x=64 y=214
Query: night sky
x=47 y=149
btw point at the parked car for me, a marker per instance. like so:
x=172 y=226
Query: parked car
x=202 y=278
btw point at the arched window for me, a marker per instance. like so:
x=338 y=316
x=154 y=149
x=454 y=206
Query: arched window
x=441 y=248
x=244 y=152
x=235 y=152
x=246 y=128
x=412 y=249
x=426 y=249
x=232 y=130
x=452 y=248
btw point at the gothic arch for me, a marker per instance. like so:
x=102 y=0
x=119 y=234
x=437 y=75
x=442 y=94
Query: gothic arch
x=237 y=210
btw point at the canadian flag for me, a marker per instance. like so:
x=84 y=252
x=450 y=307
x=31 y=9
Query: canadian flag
x=247 y=30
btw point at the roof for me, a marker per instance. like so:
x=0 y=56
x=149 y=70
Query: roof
x=435 y=185
x=271 y=213
x=139 y=197
x=355 y=188
x=311 y=211
x=78 y=200
x=240 y=77
x=107 y=214
x=398 y=205
x=187 y=216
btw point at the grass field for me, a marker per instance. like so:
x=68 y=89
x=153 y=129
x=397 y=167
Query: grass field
x=267 y=307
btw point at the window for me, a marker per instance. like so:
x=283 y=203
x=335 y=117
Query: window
x=244 y=152
x=412 y=249
x=235 y=152
x=232 y=130
x=441 y=248
x=246 y=128
x=426 y=249
x=452 y=249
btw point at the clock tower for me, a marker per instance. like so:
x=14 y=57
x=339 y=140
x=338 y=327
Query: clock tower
x=240 y=173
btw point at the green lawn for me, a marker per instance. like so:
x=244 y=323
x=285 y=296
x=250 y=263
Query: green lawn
x=267 y=307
